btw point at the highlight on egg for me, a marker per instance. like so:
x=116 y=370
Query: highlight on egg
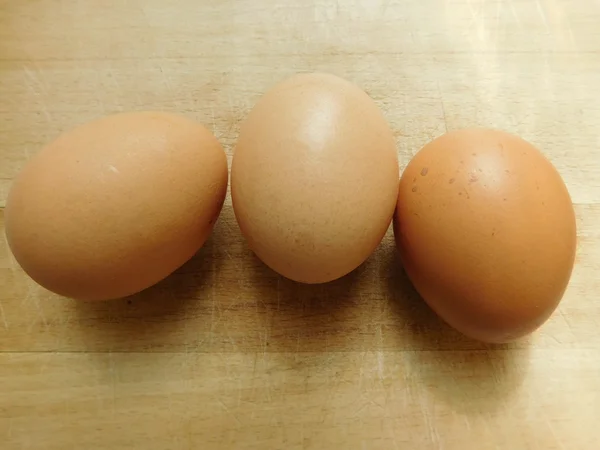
x=117 y=204
x=314 y=177
x=486 y=231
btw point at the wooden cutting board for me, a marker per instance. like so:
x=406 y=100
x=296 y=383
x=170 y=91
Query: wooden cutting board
x=227 y=355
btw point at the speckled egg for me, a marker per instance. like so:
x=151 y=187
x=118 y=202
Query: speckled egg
x=486 y=231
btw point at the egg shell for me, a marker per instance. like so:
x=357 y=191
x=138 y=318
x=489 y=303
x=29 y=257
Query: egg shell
x=117 y=204
x=314 y=177
x=486 y=231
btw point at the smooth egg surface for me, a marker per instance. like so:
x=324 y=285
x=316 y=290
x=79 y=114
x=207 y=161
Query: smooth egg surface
x=314 y=177
x=117 y=204
x=486 y=231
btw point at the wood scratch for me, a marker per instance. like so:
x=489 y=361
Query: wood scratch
x=570 y=31
x=10 y=258
x=498 y=14
x=234 y=260
x=39 y=90
x=101 y=102
x=221 y=313
x=228 y=411
x=467 y=422
x=514 y=13
x=473 y=13
x=554 y=338
x=556 y=438
x=215 y=131
x=145 y=14
x=278 y=294
x=380 y=365
x=31 y=297
x=394 y=436
x=359 y=410
x=431 y=429
x=443 y=106
x=542 y=15
x=260 y=301
x=4 y=321
x=213 y=299
x=265 y=341
x=230 y=101
x=228 y=335
x=113 y=383
x=10 y=427
x=384 y=7
x=567 y=322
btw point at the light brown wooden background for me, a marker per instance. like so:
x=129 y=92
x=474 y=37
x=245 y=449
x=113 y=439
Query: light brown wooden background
x=227 y=355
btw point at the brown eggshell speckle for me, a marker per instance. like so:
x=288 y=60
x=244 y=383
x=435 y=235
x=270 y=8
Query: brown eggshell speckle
x=314 y=177
x=486 y=230
x=115 y=205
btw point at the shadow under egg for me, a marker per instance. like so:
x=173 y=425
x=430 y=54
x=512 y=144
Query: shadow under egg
x=157 y=318
x=470 y=377
x=307 y=317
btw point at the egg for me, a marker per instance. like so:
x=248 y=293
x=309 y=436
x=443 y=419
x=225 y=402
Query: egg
x=117 y=204
x=314 y=177
x=486 y=232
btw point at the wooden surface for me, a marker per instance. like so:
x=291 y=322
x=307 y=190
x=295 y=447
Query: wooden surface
x=227 y=355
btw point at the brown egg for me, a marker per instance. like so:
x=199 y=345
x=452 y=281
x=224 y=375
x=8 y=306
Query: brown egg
x=117 y=204
x=486 y=230
x=314 y=178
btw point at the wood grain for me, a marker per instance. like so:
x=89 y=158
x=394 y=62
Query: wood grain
x=226 y=354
